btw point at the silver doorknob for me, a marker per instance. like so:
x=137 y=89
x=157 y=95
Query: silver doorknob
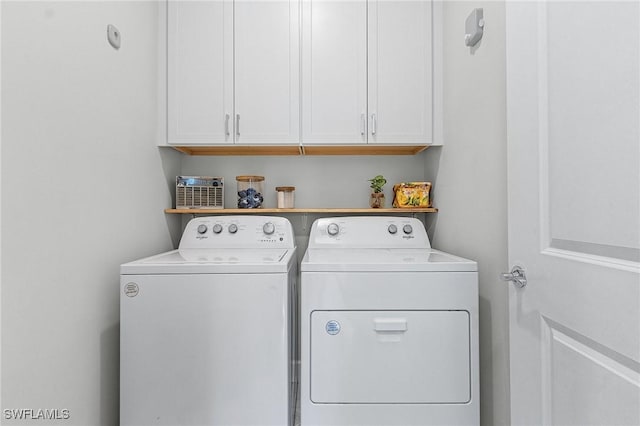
x=516 y=276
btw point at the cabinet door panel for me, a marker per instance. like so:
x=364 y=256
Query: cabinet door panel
x=200 y=71
x=400 y=71
x=334 y=71
x=267 y=93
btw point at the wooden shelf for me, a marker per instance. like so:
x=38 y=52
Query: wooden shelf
x=240 y=150
x=364 y=149
x=303 y=210
x=368 y=149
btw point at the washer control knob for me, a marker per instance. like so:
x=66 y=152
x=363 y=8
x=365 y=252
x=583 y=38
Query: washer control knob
x=202 y=229
x=217 y=228
x=268 y=228
x=333 y=229
x=392 y=229
x=233 y=228
x=407 y=229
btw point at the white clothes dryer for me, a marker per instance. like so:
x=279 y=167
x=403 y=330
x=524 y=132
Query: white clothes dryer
x=389 y=327
x=207 y=331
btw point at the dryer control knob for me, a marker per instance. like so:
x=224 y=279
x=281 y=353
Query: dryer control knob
x=407 y=229
x=392 y=229
x=202 y=229
x=268 y=228
x=233 y=228
x=217 y=228
x=333 y=229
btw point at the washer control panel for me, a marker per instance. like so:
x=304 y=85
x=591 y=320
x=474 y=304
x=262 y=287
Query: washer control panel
x=238 y=232
x=369 y=232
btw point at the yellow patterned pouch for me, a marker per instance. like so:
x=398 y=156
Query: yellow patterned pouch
x=412 y=194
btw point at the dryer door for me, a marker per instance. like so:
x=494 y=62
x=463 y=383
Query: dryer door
x=378 y=357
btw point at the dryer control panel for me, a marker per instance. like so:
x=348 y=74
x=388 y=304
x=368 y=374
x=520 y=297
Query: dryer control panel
x=369 y=232
x=238 y=232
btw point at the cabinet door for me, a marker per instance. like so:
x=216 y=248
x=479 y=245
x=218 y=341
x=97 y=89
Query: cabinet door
x=334 y=69
x=400 y=71
x=267 y=71
x=199 y=72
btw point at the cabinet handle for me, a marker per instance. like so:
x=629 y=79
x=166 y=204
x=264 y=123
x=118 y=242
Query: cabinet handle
x=363 y=122
x=237 y=124
x=374 y=124
x=226 y=125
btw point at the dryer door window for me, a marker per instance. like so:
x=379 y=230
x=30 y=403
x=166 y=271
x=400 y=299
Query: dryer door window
x=410 y=357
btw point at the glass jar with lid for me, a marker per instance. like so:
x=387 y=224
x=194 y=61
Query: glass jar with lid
x=250 y=191
x=285 y=196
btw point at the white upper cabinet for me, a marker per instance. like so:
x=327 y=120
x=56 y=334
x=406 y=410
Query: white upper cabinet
x=400 y=72
x=334 y=70
x=199 y=72
x=367 y=72
x=267 y=72
x=233 y=72
x=350 y=72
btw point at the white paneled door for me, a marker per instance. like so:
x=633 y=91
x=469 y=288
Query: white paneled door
x=573 y=97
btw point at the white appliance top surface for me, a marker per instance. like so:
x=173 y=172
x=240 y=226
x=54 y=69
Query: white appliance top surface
x=376 y=243
x=389 y=259
x=213 y=261
x=225 y=244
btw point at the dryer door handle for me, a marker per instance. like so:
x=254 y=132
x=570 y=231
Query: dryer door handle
x=390 y=325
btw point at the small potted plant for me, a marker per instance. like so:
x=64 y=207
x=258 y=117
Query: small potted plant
x=377 y=196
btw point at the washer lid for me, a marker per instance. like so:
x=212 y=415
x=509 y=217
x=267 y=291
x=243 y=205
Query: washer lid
x=368 y=260
x=213 y=261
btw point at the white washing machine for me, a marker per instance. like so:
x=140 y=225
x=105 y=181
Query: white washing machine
x=389 y=327
x=207 y=332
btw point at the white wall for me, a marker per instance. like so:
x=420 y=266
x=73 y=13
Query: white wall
x=83 y=190
x=320 y=181
x=471 y=183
